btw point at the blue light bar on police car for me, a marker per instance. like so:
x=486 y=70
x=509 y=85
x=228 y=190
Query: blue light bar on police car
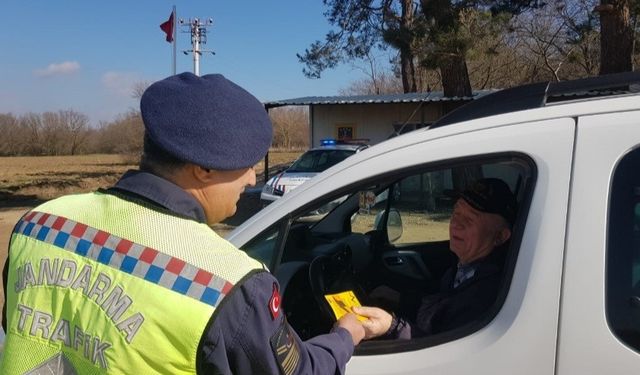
x=328 y=142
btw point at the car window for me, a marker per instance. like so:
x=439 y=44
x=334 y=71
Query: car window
x=315 y=161
x=422 y=204
x=391 y=230
x=623 y=252
x=264 y=247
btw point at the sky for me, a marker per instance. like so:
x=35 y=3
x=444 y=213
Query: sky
x=87 y=55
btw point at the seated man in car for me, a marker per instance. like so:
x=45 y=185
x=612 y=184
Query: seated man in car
x=480 y=224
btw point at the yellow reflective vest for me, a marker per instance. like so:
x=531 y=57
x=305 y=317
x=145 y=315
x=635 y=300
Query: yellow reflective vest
x=98 y=284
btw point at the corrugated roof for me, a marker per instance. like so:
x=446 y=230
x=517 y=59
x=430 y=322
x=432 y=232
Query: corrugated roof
x=414 y=97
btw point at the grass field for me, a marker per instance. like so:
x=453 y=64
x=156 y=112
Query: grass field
x=27 y=181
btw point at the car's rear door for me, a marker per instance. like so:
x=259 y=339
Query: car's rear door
x=600 y=311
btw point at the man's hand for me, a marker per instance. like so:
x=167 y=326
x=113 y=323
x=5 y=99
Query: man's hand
x=378 y=322
x=351 y=323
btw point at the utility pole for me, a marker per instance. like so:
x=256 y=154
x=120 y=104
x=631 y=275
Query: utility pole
x=198 y=30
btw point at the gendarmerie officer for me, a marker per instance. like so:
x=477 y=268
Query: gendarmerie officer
x=133 y=280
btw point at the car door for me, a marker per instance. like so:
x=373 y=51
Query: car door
x=600 y=320
x=522 y=336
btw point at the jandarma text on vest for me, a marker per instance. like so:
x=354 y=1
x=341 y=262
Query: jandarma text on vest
x=65 y=273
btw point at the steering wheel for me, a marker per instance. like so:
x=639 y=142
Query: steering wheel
x=329 y=274
x=298 y=304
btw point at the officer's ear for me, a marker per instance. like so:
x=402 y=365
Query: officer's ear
x=202 y=174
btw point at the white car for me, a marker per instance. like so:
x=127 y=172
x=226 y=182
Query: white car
x=309 y=164
x=569 y=301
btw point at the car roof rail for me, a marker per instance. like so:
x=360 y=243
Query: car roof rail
x=539 y=94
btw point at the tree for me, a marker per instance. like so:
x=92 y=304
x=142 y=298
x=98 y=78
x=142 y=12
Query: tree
x=549 y=39
x=124 y=135
x=76 y=126
x=290 y=127
x=52 y=134
x=428 y=31
x=383 y=83
x=9 y=128
x=30 y=139
x=582 y=35
x=139 y=88
x=445 y=42
x=400 y=33
x=364 y=25
x=616 y=35
x=443 y=46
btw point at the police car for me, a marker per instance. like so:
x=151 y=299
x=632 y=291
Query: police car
x=308 y=165
x=569 y=300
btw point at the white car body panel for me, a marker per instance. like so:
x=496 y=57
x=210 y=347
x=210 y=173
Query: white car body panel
x=285 y=181
x=553 y=319
x=587 y=345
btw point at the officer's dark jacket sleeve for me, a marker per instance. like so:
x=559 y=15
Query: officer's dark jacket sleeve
x=243 y=338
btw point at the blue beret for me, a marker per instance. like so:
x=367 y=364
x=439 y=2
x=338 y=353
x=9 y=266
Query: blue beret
x=209 y=121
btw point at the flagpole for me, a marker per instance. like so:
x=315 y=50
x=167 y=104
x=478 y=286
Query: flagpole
x=175 y=38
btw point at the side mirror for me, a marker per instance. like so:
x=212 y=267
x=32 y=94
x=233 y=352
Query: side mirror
x=394 y=224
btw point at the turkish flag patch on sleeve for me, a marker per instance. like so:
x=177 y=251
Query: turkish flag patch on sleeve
x=274 y=302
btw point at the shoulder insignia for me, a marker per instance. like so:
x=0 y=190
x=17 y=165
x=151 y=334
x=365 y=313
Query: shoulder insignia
x=285 y=349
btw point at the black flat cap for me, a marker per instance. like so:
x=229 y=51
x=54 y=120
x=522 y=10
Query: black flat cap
x=491 y=195
x=208 y=121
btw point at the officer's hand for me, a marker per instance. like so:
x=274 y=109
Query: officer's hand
x=353 y=325
x=378 y=322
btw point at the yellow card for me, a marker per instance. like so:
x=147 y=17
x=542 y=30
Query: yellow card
x=342 y=303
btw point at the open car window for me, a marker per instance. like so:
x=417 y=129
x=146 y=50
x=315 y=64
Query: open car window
x=390 y=231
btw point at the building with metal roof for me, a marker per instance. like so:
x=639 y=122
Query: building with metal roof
x=373 y=118
x=414 y=97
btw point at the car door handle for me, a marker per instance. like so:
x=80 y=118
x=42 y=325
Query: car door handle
x=394 y=261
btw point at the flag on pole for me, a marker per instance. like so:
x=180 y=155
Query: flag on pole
x=167 y=27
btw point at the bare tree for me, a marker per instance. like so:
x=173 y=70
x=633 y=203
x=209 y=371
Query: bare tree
x=75 y=127
x=385 y=83
x=121 y=136
x=291 y=127
x=583 y=35
x=543 y=37
x=138 y=89
x=30 y=140
x=9 y=128
x=52 y=134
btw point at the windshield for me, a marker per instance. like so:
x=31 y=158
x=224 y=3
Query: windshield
x=319 y=160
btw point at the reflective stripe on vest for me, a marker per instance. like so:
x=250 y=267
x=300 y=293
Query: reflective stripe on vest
x=99 y=294
x=122 y=254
